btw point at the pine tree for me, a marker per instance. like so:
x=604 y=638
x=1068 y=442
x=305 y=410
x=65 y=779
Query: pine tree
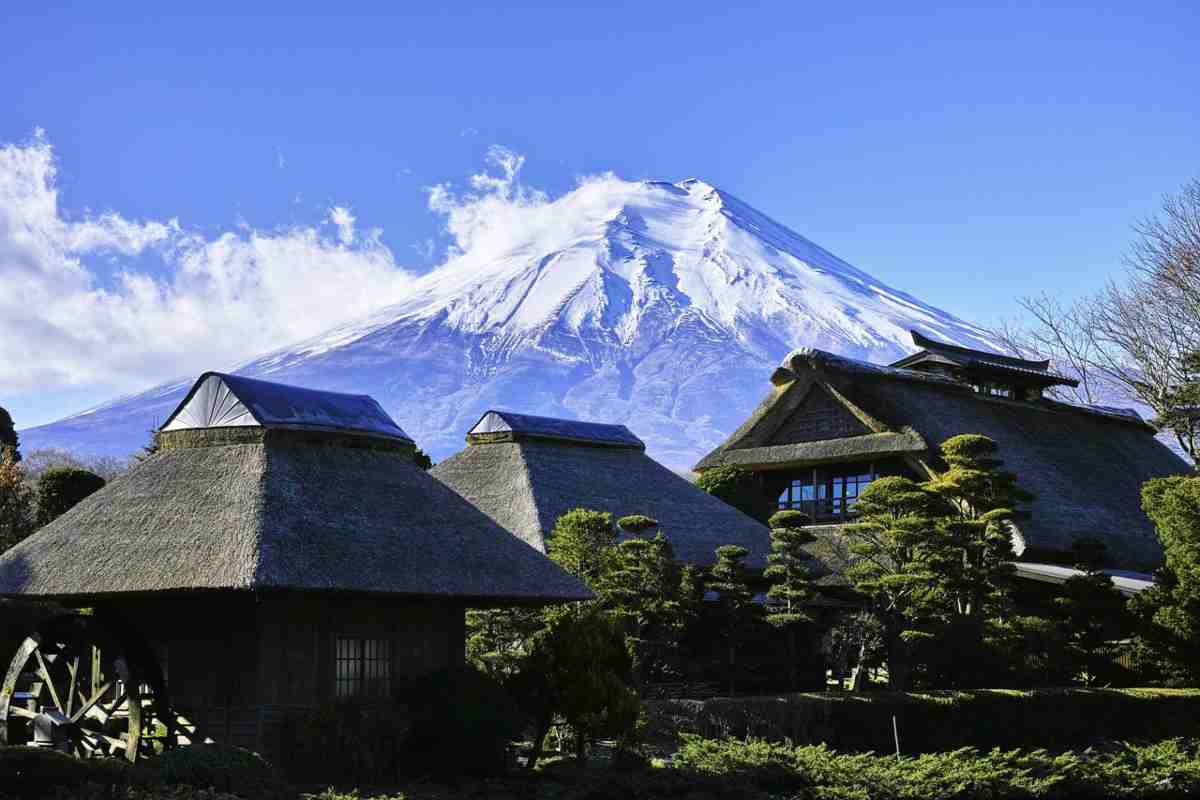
x=734 y=486
x=1090 y=607
x=890 y=570
x=16 y=501
x=1168 y=613
x=581 y=543
x=8 y=435
x=642 y=590
x=791 y=589
x=730 y=580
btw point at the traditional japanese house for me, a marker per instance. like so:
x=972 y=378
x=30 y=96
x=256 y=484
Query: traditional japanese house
x=279 y=550
x=830 y=425
x=525 y=471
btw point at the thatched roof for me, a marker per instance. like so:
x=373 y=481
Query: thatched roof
x=281 y=506
x=507 y=426
x=1085 y=465
x=526 y=481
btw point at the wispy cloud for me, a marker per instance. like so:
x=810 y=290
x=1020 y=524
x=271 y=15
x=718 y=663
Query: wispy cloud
x=210 y=300
x=280 y=161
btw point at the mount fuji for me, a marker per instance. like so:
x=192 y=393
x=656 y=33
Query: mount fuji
x=663 y=306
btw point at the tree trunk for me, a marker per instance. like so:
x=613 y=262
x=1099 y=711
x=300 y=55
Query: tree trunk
x=539 y=742
x=792 y=671
x=732 y=666
x=899 y=671
x=580 y=746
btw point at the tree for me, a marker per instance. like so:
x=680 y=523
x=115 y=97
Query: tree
x=1090 y=609
x=58 y=490
x=45 y=458
x=642 y=591
x=791 y=589
x=9 y=440
x=1168 y=613
x=733 y=485
x=16 y=501
x=422 y=459
x=497 y=639
x=580 y=543
x=890 y=570
x=730 y=579
x=1138 y=337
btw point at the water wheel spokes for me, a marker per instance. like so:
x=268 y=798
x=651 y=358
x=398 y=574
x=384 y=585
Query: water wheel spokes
x=72 y=687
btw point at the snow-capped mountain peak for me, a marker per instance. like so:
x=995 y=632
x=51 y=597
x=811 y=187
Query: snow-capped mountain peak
x=659 y=305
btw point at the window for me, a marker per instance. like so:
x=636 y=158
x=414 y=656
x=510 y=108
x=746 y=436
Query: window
x=827 y=493
x=994 y=390
x=363 y=667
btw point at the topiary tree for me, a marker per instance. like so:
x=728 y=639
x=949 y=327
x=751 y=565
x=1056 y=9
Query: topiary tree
x=16 y=501
x=733 y=485
x=971 y=552
x=8 y=435
x=1168 y=613
x=890 y=570
x=580 y=543
x=1091 y=611
x=730 y=579
x=791 y=589
x=637 y=524
x=59 y=489
x=641 y=589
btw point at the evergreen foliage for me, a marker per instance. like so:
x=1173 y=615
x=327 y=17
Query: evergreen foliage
x=59 y=489
x=1168 y=613
x=16 y=501
x=9 y=440
x=581 y=542
x=733 y=485
x=422 y=459
x=730 y=579
x=791 y=589
x=1092 y=612
x=637 y=523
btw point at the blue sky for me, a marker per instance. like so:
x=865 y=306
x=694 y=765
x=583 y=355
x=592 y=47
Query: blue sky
x=968 y=155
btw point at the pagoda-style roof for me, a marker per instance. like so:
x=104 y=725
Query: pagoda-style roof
x=942 y=357
x=316 y=492
x=1085 y=465
x=527 y=480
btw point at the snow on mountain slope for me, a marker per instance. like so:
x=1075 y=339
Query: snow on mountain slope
x=661 y=306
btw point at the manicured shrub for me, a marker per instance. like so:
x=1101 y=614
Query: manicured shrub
x=344 y=741
x=1058 y=720
x=462 y=722
x=219 y=767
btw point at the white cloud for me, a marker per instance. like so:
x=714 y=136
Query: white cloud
x=216 y=300
x=341 y=218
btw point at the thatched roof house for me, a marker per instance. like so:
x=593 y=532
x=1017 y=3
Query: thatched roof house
x=525 y=471
x=262 y=486
x=281 y=549
x=829 y=425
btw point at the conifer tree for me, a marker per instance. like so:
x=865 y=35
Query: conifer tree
x=1168 y=613
x=730 y=579
x=791 y=589
x=16 y=501
x=642 y=590
x=59 y=489
x=581 y=543
x=894 y=526
x=8 y=435
x=1090 y=608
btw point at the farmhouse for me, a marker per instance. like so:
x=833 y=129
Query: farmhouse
x=830 y=425
x=279 y=550
x=524 y=472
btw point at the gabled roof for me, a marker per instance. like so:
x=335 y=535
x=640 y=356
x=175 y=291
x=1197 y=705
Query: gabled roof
x=297 y=507
x=495 y=425
x=526 y=483
x=981 y=362
x=219 y=400
x=1084 y=465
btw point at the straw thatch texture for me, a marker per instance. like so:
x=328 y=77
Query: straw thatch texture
x=1085 y=466
x=527 y=483
x=266 y=508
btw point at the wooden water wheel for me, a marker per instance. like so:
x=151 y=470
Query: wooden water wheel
x=83 y=686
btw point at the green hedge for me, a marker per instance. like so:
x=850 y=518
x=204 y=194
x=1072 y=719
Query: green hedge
x=1168 y=769
x=1055 y=719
